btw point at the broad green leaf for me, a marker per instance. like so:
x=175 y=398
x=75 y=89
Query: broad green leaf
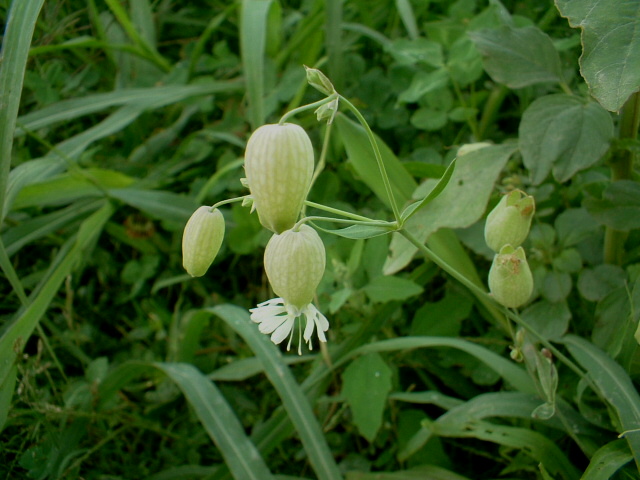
x=614 y=385
x=166 y=206
x=386 y=288
x=610 y=34
x=423 y=83
x=253 y=36
x=21 y=21
x=366 y=382
x=596 y=283
x=620 y=206
x=361 y=156
x=608 y=460
x=549 y=319
x=419 y=50
x=293 y=398
x=518 y=57
x=563 y=134
x=443 y=318
x=574 y=225
x=459 y=205
x=556 y=286
x=219 y=420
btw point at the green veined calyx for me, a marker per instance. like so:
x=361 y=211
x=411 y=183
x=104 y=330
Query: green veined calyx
x=201 y=240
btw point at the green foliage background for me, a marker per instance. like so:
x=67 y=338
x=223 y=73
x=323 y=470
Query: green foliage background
x=120 y=118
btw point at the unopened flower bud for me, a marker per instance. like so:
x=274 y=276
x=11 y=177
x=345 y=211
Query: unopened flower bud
x=279 y=167
x=201 y=240
x=319 y=81
x=509 y=222
x=295 y=262
x=510 y=279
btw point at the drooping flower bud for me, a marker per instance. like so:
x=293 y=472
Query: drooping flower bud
x=319 y=81
x=295 y=262
x=279 y=167
x=509 y=222
x=510 y=279
x=201 y=240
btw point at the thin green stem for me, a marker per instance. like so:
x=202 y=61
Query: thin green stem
x=390 y=225
x=621 y=169
x=229 y=200
x=491 y=108
x=482 y=293
x=336 y=211
x=322 y=161
x=376 y=152
x=309 y=106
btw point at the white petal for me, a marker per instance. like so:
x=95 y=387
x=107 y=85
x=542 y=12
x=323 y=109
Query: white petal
x=282 y=331
x=270 y=324
x=315 y=318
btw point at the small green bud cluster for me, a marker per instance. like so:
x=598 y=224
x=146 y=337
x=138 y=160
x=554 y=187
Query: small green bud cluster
x=507 y=227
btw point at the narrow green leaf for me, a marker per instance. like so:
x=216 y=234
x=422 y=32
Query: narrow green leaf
x=293 y=398
x=366 y=382
x=608 y=460
x=166 y=206
x=528 y=441
x=253 y=33
x=6 y=393
x=16 y=335
x=219 y=420
x=518 y=57
x=610 y=33
x=433 y=194
x=421 y=472
x=614 y=386
x=564 y=134
x=358 y=232
x=408 y=18
x=511 y=372
x=21 y=21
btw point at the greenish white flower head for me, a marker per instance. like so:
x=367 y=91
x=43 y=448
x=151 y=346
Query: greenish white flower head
x=201 y=240
x=510 y=279
x=294 y=262
x=509 y=222
x=279 y=166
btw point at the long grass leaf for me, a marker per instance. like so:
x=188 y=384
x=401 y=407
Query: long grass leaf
x=253 y=34
x=15 y=337
x=608 y=460
x=219 y=420
x=155 y=97
x=614 y=386
x=508 y=370
x=6 y=393
x=22 y=17
x=293 y=398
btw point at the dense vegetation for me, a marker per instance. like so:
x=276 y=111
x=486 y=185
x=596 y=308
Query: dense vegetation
x=120 y=118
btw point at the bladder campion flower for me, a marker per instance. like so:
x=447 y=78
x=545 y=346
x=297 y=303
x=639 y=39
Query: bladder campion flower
x=279 y=167
x=294 y=262
x=509 y=222
x=201 y=240
x=510 y=279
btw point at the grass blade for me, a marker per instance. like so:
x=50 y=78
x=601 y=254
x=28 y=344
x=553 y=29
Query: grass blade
x=614 y=386
x=608 y=460
x=253 y=35
x=219 y=420
x=293 y=398
x=22 y=16
x=17 y=334
x=508 y=370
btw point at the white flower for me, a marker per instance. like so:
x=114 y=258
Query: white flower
x=277 y=317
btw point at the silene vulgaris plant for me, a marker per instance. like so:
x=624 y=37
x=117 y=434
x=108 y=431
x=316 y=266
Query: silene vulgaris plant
x=280 y=171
